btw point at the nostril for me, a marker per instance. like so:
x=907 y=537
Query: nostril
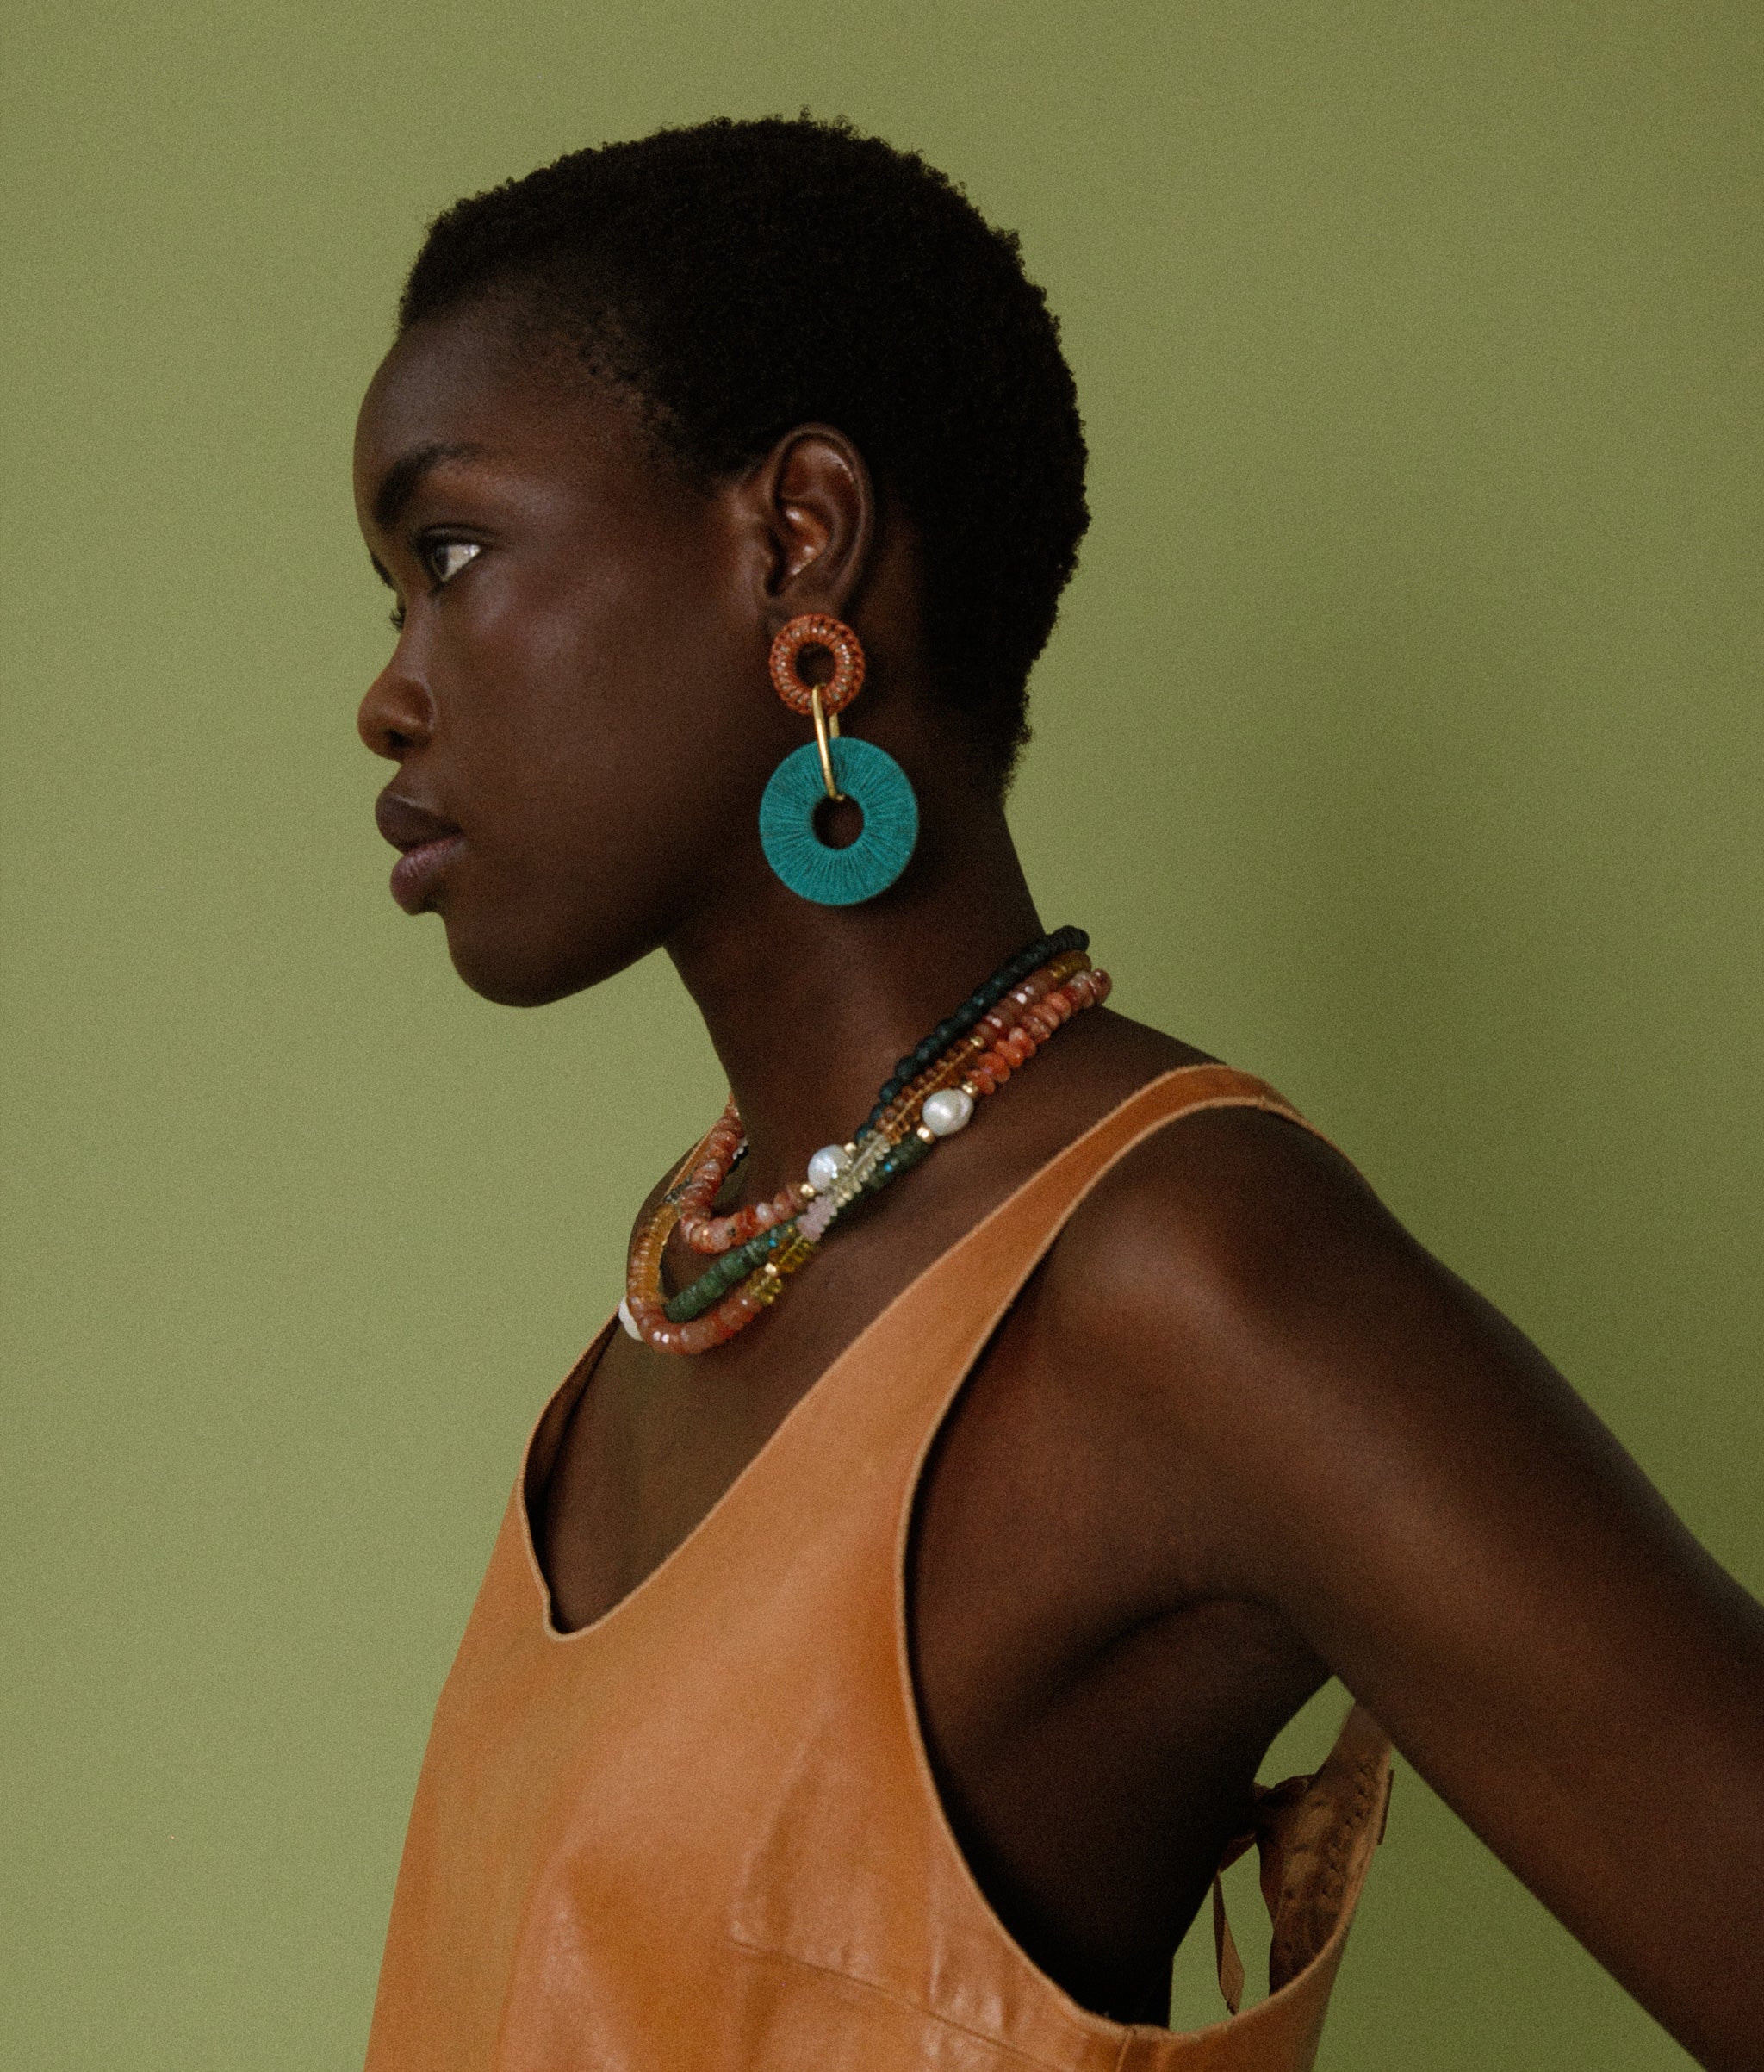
x=395 y=716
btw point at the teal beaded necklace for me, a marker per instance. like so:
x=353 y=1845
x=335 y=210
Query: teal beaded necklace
x=929 y=1095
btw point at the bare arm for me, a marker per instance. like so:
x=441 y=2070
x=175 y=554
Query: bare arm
x=1389 y=1462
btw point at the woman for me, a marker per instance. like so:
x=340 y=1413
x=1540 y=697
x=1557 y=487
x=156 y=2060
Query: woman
x=889 y=1619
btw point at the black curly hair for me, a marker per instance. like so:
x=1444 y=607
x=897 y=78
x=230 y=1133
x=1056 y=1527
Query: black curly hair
x=738 y=278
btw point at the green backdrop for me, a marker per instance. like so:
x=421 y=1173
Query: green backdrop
x=1401 y=741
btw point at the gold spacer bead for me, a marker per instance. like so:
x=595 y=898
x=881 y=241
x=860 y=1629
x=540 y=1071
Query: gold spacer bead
x=971 y=1090
x=924 y=1134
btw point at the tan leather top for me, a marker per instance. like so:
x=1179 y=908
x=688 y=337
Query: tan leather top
x=702 y=1831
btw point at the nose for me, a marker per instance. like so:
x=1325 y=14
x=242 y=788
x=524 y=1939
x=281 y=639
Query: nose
x=398 y=714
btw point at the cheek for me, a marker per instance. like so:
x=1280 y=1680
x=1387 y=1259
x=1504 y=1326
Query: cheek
x=614 y=738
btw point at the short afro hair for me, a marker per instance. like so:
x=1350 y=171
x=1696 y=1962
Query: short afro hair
x=739 y=279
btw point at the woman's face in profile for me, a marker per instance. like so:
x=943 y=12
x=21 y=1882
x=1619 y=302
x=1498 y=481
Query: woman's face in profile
x=564 y=699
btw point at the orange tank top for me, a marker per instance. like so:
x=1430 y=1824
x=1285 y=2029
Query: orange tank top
x=701 y=1834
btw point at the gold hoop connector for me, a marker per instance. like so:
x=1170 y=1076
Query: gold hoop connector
x=823 y=741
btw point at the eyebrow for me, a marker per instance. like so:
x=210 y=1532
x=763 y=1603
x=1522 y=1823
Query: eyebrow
x=401 y=480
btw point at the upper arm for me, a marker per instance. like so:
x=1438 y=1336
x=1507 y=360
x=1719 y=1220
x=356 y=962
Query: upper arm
x=1390 y=1463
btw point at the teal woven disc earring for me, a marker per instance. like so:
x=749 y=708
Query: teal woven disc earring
x=876 y=785
x=833 y=768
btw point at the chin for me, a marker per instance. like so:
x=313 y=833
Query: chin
x=526 y=974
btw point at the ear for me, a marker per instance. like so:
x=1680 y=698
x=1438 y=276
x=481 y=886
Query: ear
x=810 y=510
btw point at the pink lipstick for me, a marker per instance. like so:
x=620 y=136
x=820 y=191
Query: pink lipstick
x=429 y=843
x=417 y=874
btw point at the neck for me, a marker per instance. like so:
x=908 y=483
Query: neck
x=808 y=1007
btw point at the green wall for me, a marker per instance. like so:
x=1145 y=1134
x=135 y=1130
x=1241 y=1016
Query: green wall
x=1401 y=741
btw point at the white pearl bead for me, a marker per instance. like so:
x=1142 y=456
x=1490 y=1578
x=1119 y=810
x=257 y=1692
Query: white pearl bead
x=947 y=1111
x=826 y=1166
x=627 y=1320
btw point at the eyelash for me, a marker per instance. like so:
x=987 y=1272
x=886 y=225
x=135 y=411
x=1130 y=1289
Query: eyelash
x=424 y=550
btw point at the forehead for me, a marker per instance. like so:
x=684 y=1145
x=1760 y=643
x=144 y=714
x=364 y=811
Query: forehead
x=475 y=383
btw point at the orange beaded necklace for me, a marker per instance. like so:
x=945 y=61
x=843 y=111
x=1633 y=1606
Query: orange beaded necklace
x=931 y=1095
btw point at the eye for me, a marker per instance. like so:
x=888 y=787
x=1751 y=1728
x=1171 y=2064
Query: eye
x=445 y=558
x=441 y=560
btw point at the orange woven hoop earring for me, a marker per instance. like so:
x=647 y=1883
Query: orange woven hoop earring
x=818 y=630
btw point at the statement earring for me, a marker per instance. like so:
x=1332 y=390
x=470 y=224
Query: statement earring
x=831 y=767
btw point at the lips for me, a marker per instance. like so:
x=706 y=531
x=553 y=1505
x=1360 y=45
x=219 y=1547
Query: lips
x=429 y=843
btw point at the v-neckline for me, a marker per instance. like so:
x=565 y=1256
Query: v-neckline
x=580 y=1378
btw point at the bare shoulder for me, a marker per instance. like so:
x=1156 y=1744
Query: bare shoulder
x=1234 y=1239
x=1230 y=1200
x=1263 y=1323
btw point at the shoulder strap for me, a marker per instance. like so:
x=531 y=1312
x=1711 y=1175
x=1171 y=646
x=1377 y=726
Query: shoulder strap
x=959 y=1301
x=1315 y=1834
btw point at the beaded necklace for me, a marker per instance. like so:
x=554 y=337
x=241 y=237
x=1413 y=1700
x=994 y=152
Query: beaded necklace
x=929 y=1095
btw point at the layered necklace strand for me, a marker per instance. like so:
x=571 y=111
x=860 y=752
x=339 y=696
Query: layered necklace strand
x=929 y=1095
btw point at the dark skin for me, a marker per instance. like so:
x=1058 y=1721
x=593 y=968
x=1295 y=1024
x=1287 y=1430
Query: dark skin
x=1264 y=1436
